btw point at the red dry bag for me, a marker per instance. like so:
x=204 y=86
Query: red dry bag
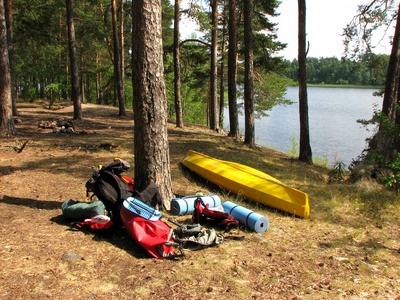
x=154 y=236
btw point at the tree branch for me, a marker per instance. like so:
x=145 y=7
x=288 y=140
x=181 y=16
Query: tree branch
x=195 y=41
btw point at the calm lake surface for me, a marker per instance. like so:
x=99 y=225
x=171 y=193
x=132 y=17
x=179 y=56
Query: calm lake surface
x=333 y=112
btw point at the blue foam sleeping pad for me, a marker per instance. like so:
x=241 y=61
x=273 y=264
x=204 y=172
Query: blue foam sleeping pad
x=247 y=217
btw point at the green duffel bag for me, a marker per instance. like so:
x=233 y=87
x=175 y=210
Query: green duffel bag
x=79 y=211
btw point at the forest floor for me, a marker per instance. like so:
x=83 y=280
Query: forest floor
x=349 y=247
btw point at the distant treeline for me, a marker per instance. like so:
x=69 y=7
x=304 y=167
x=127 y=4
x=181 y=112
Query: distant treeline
x=368 y=71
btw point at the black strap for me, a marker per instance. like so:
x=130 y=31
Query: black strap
x=230 y=212
x=187 y=206
x=235 y=238
x=201 y=201
x=247 y=218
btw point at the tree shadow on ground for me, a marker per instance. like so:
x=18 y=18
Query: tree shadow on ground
x=31 y=203
x=116 y=236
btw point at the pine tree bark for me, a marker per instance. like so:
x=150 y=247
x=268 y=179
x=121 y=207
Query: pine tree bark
x=99 y=101
x=214 y=123
x=6 y=117
x=232 y=64
x=392 y=77
x=149 y=99
x=384 y=143
x=82 y=77
x=305 y=153
x=177 y=67
x=10 y=40
x=118 y=85
x=76 y=94
x=122 y=58
x=222 y=72
x=249 y=138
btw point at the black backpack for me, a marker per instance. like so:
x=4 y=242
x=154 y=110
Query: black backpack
x=109 y=186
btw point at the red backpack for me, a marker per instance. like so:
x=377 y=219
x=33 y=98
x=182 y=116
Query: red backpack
x=203 y=214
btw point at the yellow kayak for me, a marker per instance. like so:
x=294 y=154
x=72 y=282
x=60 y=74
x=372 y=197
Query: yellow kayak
x=249 y=182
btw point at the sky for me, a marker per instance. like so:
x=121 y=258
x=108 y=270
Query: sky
x=325 y=20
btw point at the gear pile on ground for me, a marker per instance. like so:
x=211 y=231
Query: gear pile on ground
x=118 y=204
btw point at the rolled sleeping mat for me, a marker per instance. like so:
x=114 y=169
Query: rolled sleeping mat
x=185 y=205
x=247 y=217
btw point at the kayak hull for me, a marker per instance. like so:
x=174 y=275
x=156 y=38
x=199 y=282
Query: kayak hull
x=249 y=182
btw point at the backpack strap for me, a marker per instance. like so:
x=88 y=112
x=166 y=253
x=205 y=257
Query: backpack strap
x=118 y=166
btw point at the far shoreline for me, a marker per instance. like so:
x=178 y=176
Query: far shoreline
x=342 y=86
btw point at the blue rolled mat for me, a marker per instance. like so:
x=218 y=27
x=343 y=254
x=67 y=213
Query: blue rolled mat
x=185 y=205
x=247 y=217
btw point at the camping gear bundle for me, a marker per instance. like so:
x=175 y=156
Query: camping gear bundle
x=119 y=205
x=226 y=214
x=185 y=205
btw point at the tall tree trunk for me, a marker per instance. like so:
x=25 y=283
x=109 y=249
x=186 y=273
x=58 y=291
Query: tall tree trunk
x=305 y=154
x=177 y=67
x=149 y=100
x=41 y=88
x=122 y=56
x=392 y=77
x=384 y=143
x=117 y=62
x=36 y=86
x=222 y=73
x=76 y=95
x=232 y=59
x=248 y=76
x=60 y=28
x=6 y=117
x=214 y=123
x=97 y=79
x=114 y=55
x=66 y=71
x=82 y=78
x=10 y=40
x=87 y=84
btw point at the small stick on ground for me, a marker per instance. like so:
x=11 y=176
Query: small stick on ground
x=16 y=148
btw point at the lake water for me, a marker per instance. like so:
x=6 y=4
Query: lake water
x=333 y=112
